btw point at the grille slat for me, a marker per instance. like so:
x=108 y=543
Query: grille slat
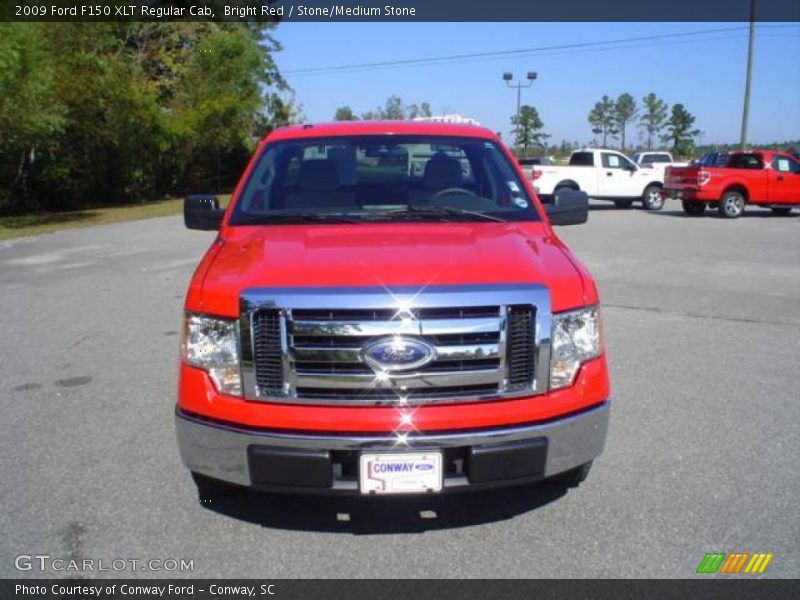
x=520 y=346
x=341 y=341
x=428 y=381
x=350 y=354
x=437 y=366
x=348 y=314
x=267 y=352
x=395 y=326
x=392 y=396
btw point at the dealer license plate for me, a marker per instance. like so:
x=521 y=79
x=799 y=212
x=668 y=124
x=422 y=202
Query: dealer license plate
x=402 y=473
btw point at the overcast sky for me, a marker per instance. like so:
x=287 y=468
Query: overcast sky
x=704 y=72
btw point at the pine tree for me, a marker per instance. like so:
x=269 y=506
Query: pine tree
x=601 y=118
x=654 y=117
x=680 y=133
x=625 y=110
x=527 y=129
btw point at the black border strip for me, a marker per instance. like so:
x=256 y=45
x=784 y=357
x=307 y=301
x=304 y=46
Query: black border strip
x=700 y=588
x=402 y=10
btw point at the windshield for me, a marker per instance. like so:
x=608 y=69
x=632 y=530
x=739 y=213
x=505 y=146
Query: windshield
x=382 y=178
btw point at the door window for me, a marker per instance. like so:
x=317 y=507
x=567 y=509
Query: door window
x=612 y=161
x=615 y=161
x=782 y=164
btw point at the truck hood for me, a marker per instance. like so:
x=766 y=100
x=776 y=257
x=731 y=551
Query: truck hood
x=386 y=254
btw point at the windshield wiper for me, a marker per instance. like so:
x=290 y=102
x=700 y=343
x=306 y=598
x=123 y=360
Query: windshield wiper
x=295 y=217
x=437 y=209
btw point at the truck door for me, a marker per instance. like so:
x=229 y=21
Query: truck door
x=784 y=181
x=617 y=177
x=754 y=172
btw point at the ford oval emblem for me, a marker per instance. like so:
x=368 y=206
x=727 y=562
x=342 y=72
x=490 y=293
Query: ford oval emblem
x=398 y=353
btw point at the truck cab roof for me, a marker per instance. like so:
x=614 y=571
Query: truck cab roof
x=350 y=128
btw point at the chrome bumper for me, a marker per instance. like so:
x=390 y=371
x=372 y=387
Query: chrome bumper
x=220 y=450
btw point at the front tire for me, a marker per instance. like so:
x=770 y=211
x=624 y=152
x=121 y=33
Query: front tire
x=781 y=210
x=693 y=208
x=652 y=199
x=731 y=205
x=573 y=477
x=623 y=203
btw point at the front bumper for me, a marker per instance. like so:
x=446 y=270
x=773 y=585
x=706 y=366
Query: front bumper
x=324 y=463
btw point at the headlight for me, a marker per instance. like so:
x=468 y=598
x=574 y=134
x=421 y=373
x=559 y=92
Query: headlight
x=213 y=345
x=576 y=338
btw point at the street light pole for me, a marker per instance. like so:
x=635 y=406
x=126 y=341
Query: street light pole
x=508 y=78
x=746 y=108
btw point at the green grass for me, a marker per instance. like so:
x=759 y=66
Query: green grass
x=35 y=224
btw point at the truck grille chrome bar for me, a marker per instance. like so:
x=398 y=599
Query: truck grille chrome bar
x=308 y=345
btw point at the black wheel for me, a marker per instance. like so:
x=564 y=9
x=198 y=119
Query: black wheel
x=781 y=210
x=652 y=198
x=731 y=205
x=565 y=187
x=693 y=208
x=573 y=477
x=623 y=203
x=210 y=490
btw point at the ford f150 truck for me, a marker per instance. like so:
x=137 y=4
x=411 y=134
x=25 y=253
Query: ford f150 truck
x=656 y=160
x=359 y=327
x=603 y=175
x=759 y=177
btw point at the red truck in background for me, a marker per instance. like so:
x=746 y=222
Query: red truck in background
x=757 y=177
x=358 y=326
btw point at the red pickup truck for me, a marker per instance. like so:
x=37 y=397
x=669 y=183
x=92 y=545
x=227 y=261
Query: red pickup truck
x=374 y=326
x=758 y=177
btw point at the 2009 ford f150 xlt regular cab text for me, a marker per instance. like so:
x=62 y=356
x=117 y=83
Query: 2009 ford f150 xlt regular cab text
x=359 y=326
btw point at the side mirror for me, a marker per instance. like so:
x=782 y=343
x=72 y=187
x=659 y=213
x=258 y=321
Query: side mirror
x=630 y=167
x=568 y=207
x=202 y=212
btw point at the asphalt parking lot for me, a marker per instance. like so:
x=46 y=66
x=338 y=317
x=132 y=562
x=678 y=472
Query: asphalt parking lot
x=703 y=334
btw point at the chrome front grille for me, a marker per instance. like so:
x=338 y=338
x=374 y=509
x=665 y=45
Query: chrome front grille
x=306 y=345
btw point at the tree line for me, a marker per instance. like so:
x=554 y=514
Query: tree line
x=101 y=113
x=674 y=126
x=393 y=109
x=610 y=119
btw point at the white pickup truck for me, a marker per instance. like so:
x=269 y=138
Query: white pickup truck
x=659 y=160
x=603 y=175
x=653 y=159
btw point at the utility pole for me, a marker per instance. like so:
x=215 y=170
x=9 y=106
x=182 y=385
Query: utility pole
x=748 y=76
x=508 y=78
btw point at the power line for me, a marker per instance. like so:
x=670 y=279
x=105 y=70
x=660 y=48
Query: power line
x=621 y=46
x=505 y=53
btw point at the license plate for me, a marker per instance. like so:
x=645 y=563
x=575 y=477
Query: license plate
x=402 y=473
